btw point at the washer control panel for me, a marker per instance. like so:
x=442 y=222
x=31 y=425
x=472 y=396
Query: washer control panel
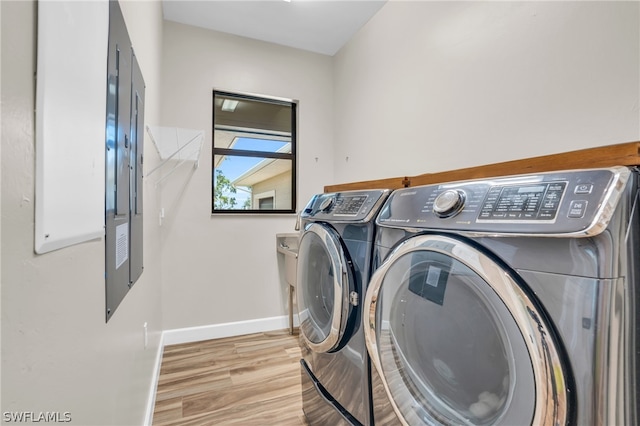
x=567 y=202
x=538 y=202
x=345 y=206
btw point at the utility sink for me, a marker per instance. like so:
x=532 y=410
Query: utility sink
x=287 y=244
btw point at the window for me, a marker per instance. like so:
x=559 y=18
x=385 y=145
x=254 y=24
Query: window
x=254 y=154
x=265 y=200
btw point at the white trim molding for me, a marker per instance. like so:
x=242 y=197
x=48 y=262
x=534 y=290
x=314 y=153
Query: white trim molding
x=217 y=331
x=151 y=400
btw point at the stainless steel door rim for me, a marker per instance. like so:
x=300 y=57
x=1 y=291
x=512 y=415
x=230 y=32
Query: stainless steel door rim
x=550 y=386
x=340 y=281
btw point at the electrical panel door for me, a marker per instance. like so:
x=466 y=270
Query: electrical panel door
x=135 y=192
x=124 y=153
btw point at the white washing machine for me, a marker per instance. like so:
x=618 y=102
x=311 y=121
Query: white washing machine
x=508 y=301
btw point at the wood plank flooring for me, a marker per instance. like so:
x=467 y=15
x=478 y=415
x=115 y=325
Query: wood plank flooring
x=244 y=380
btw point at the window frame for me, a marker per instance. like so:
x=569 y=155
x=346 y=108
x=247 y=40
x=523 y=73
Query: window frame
x=292 y=156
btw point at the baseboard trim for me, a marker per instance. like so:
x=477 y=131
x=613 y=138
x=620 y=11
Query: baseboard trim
x=151 y=400
x=217 y=331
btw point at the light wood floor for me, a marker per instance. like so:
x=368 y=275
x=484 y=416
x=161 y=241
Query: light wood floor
x=245 y=380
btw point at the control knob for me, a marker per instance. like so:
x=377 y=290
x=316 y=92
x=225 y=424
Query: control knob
x=448 y=203
x=326 y=204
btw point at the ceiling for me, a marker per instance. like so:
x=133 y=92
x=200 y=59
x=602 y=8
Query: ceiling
x=320 y=26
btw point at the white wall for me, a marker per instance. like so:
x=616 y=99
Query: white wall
x=58 y=354
x=223 y=268
x=433 y=86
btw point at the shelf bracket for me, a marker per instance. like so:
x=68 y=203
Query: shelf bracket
x=175 y=147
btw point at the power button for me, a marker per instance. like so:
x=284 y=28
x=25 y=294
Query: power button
x=583 y=188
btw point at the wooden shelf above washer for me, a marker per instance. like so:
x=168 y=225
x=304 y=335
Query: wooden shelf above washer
x=625 y=154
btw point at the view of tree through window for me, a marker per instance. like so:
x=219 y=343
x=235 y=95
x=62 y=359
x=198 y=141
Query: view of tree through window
x=254 y=161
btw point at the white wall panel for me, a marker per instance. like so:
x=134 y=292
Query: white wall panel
x=434 y=86
x=223 y=268
x=70 y=121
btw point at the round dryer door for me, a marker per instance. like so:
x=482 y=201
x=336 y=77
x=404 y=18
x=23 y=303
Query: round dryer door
x=455 y=339
x=324 y=283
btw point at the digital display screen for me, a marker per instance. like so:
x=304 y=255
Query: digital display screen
x=529 y=189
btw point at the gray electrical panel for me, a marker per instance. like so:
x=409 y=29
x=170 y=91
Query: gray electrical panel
x=124 y=158
x=137 y=150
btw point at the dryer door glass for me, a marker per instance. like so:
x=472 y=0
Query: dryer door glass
x=322 y=288
x=448 y=347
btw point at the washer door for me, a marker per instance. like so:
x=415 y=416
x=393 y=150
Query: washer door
x=324 y=285
x=457 y=341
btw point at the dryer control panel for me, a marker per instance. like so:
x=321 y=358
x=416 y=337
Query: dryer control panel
x=348 y=206
x=567 y=202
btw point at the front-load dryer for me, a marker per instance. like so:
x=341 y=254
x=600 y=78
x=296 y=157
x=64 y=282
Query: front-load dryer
x=334 y=266
x=508 y=301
